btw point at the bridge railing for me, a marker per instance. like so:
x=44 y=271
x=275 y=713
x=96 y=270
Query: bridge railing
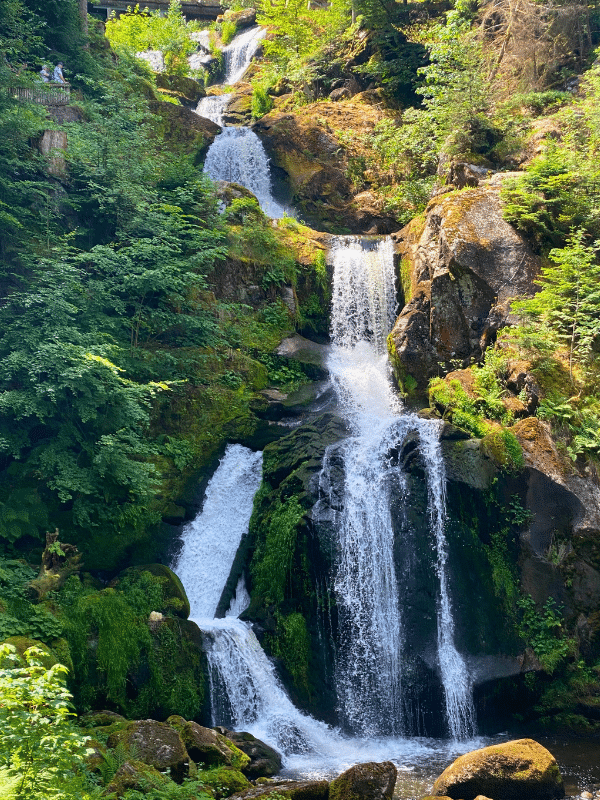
x=46 y=94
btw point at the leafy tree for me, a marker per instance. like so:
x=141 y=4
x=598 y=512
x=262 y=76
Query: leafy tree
x=40 y=748
x=139 y=30
x=568 y=303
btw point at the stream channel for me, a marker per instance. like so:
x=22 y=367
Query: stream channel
x=378 y=704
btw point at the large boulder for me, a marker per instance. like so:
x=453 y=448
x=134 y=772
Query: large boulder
x=183 y=129
x=370 y=781
x=134 y=775
x=510 y=771
x=154 y=743
x=208 y=747
x=264 y=762
x=460 y=267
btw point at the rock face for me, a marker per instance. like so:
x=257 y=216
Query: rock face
x=509 y=771
x=183 y=129
x=156 y=744
x=369 y=781
x=312 y=151
x=187 y=90
x=460 y=268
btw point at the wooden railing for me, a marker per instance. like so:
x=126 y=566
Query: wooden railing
x=46 y=94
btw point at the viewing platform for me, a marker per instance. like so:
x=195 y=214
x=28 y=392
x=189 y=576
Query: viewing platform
x=46 y=94
x=191 y=9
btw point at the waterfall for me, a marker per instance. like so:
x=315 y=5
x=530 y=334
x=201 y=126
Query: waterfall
x=211 y=541
x=369 y=659
x=239 y=53
x=237 y=155
x=455 y=677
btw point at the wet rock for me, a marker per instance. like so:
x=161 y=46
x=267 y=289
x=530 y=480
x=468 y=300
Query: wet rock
x=509 y=771
x=463 y=265
x=154 y=743
x=369 y=781
x=265 y=762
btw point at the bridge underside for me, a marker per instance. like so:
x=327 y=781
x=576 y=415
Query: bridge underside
x=191 y=9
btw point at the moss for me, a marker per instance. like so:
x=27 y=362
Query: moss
x=223 y=781
x=272 y=563
x=504 y=448
x=406 y=280
x=292 y=644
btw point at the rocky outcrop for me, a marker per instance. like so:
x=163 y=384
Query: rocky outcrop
x=460 y=266
x=183 y=130
x=290 y=790
x=311 y=149
x=60 y=560
x=369 y=781
x=509 y=771
x=186 y=90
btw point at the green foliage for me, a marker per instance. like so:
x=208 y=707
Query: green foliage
x=39 y=746
x=292 y=645
x=542 y=631
x=454 y=401
x=504 y=448
x=138 y=30
x=190 y=789
x=272 y=563
x=568 y=303
x=20 y=616
x=228 y=31
x=262 y=103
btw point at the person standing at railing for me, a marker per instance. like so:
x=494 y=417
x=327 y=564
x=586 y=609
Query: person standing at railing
x=57 y=75
x=45 y=73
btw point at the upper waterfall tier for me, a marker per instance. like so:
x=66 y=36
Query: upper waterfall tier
x=239 y=53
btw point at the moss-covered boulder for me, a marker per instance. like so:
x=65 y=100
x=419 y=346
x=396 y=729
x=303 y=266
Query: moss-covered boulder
x=462 y=263
x=154 y=743
x=175 y=600
x=510 y=771
x=264 y=761
x=186 y=89
x=23 y=643
x=370 y=781
x=224 y=781
x=183 y=130
x=134 y=775
x=207 y=746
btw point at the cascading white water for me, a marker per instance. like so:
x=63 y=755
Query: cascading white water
x=460 y=712
x=369 y=669
x=212 y=107
x=237 y=155
x=211 y=541
x=239 y=53
x=368 y=673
